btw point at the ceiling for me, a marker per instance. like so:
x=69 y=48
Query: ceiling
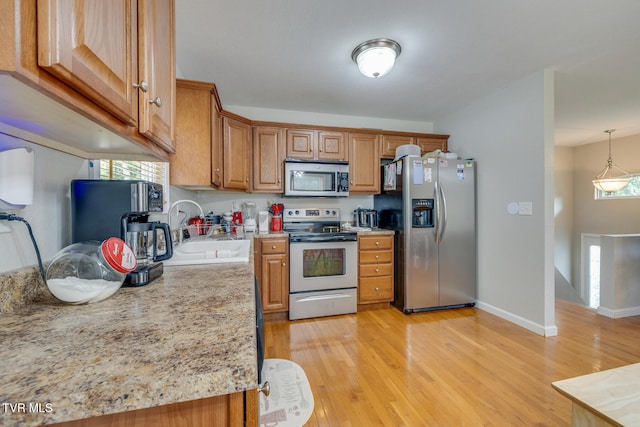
x=296 y=55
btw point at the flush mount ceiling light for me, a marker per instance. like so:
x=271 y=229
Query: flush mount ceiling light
x=376 y=57
x=611 y=178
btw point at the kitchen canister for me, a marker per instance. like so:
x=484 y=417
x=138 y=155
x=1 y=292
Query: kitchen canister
x=88 y=272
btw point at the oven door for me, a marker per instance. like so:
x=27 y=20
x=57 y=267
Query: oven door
x=316 y=266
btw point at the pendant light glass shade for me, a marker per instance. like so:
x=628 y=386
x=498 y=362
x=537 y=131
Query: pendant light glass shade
x=376 y=57
x=611 y=178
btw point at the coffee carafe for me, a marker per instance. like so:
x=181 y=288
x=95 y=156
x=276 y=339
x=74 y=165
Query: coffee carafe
x=150 y=242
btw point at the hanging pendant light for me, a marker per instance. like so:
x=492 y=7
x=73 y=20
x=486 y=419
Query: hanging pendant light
x=611 y=178
x=376 y=57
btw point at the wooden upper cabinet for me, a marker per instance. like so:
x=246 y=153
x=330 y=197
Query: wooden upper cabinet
x=364 y=166
x=120 y=54
x=217 y=142
x=236 y=154
x=190 y=165
x=156 y=41
x=428 y=144
x=301 y=144
x=391 y=142
x=332 y=146
x=92 y=47
x=316 y=144
x=268 y=155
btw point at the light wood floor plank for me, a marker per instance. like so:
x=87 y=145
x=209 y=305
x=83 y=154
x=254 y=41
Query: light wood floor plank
x=462 y=367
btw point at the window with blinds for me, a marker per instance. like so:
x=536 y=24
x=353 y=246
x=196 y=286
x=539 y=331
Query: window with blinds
x=126 y=169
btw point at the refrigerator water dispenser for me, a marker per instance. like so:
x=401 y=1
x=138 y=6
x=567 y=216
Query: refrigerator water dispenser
x=422 y=216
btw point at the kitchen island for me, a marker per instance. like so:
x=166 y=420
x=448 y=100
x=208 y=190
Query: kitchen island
x=189 y=336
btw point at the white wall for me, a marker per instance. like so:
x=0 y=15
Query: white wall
x=49 y=215
x=510 y=133
x=563 y=207
x=617 y=216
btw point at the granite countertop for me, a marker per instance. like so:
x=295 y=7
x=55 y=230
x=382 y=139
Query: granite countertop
x=189 y=334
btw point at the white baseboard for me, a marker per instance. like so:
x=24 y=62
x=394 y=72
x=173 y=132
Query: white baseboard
x=618 y=312
x=548 y=331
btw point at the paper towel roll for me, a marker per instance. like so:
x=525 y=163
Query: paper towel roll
x=16 y=178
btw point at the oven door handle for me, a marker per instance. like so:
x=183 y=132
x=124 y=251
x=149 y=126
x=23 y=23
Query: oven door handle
x=322 y=297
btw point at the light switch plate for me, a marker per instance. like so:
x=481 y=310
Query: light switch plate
x=525 y=208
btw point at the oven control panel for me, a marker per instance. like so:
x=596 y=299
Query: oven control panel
x=311 y=214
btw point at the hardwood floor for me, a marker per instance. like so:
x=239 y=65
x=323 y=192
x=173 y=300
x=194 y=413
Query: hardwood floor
x=462 y=367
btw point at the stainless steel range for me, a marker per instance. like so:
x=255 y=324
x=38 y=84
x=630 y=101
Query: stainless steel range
x=323 y=272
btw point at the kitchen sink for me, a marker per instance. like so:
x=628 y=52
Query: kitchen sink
x=210 y=251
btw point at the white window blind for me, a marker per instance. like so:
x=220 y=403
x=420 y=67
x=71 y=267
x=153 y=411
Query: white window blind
x=125 y=169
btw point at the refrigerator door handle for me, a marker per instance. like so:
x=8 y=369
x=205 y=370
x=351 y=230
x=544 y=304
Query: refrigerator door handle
x=443 y=213
x=436 y=196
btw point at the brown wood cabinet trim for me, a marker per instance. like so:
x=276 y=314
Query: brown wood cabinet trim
x=234 y=116
x=350 y=130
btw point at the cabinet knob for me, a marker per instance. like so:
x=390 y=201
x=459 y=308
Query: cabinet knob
x=284 y=264
x=216 y=170
x=273 y=247
x=351 y=182
x=156 y=101
x=265 y=388
x=279 y=180
x=143 y=86
x=377 y=270
x=377 y=243
x=377 y=289
x=377 y=256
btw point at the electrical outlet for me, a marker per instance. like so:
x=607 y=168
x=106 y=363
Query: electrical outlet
x=525 y=208
x=4 y=228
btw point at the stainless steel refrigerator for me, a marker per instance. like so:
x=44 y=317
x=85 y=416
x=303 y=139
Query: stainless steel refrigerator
x=431 y=204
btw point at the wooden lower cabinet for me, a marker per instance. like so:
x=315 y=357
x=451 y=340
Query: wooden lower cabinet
x=271 y=261
x=223 y=411
x=375 y=269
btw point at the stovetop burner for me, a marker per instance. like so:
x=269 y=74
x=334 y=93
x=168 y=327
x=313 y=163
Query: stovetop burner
x=314 y=224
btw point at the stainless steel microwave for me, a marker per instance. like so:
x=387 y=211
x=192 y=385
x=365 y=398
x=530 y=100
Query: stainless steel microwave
x=313 y=178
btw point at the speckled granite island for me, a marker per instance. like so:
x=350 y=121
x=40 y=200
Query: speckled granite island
x=188 y=335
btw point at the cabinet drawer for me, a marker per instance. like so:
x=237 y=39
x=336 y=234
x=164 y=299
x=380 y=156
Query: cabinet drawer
x=375 y=242
x=376 y=257
x=273 y=246
x=373 y=270
x=375 y=289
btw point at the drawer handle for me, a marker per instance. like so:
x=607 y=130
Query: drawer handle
x=377 y=256
x=377 y=289
x=377 y=243
x=377 y=270
x=273 y=247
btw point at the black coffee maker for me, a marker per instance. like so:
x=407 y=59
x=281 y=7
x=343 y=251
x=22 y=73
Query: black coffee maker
x=150 y=242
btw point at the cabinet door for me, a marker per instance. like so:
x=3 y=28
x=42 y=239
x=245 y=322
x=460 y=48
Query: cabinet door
x=391 y=142
x=236 y=154
x=156 y=66
x=275 y=283
x=332 y=146
x=190 y=164
x=92 y=47
x=268 y=154
x=431 y=144
x=364 y=166
x=301 y=143
x=217 y=139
